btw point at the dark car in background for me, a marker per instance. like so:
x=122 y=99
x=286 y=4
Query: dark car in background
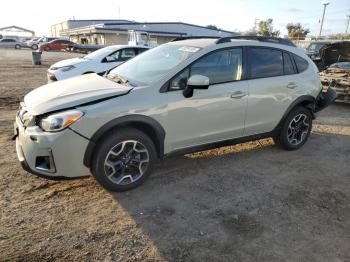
x=313 y=49
x=57 y=45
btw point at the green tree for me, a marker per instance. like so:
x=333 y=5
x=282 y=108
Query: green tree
x=214 y=27
x=297 y=31
x=266 y=28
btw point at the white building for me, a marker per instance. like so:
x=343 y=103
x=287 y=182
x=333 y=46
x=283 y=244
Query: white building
x=108 y=32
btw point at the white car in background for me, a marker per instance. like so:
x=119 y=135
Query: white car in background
x=98 y=62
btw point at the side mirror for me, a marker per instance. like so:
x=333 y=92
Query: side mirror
x=195 y=82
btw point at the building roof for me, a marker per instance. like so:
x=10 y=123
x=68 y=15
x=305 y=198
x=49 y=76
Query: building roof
x=14 y=28
x=165 y=23
x=172 y=29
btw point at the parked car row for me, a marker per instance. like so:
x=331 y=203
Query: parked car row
x=35 y=43
x=184 y=96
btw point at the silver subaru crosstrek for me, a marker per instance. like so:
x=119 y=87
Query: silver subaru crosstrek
x=183 y=96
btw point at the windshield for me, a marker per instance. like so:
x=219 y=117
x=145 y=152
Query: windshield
x=154 y=63
x=315 y=47
x=100 y=53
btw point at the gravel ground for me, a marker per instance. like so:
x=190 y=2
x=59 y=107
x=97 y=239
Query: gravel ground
x=249 y=202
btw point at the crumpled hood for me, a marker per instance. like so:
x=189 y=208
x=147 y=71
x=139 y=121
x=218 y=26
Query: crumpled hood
x=335 y=52
x=72 y=92
x=68 y=62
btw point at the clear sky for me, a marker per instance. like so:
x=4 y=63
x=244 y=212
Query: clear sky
x=234 y=15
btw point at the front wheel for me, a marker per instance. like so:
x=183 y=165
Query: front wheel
x=123 y=160
x=295 y=130
x=18 y=46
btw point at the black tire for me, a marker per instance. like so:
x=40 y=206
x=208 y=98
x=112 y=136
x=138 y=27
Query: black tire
x=35 y=47
x=112 y=140
x=286 y=139
x=17 y=46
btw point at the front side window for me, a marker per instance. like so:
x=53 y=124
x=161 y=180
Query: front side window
x=153 y=64
x=220 y=67
x=265 y=62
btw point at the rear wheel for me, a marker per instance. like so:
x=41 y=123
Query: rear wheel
x=123 y=160
x=295 y=129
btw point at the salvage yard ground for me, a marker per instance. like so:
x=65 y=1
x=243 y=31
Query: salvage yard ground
x=250 y=202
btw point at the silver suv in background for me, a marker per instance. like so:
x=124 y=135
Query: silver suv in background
x=10 y=43
x=183 y=96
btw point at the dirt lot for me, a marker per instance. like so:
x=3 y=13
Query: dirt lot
x=250 y=202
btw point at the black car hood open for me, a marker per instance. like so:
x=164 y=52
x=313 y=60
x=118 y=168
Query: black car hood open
x=336 y=52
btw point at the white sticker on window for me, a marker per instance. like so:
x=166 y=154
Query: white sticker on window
x=189 y=49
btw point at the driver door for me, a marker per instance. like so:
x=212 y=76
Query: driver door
x=211 y=115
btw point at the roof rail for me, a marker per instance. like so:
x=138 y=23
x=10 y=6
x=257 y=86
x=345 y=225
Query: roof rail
x=194 y=37
x=269 y=39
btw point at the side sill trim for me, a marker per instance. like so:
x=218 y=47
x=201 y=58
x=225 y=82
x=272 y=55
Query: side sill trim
x=228 y=142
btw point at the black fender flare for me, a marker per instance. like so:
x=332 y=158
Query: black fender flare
x=307 y=101
x=157 y=133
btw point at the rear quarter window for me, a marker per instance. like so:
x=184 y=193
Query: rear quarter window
x=301 y=63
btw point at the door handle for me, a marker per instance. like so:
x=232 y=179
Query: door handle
x=292 y=85
x=238 y=94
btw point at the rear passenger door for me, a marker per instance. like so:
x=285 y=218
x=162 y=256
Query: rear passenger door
x=272 y=87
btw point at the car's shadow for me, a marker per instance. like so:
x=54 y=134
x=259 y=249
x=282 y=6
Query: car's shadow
x=226 y=205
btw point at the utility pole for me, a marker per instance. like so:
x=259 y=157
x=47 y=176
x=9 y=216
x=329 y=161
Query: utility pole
x=324 y=11
x=347 y=26
x=256 y=23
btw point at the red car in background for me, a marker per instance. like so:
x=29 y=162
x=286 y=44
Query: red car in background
x=57 y=45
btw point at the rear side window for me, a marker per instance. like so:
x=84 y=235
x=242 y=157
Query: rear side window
x=301 y=63
x=287 y=64
x=265 y=62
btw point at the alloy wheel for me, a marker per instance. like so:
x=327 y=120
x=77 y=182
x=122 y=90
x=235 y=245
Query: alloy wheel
x=298 y=129
x=126 y=162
